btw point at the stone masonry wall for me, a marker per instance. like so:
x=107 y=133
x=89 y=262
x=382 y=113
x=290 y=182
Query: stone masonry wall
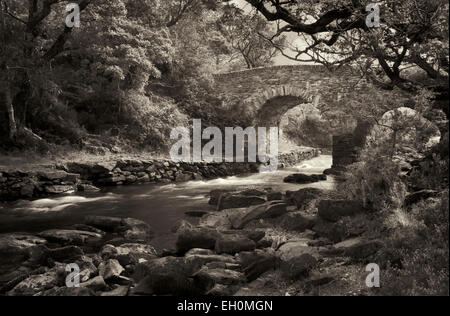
x=252 y=88
x=344 y=151
x=346 y=147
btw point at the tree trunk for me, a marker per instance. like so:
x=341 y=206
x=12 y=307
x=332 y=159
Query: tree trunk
x=7 y=101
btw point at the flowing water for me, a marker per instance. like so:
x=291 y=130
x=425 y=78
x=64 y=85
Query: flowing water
x=161 y=206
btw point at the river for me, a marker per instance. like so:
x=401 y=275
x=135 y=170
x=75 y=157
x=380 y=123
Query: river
x=161 y=206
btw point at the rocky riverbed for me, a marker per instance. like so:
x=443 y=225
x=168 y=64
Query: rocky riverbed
x=256 y=242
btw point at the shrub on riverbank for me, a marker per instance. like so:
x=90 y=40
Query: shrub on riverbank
x=419 y=250
x=409 y=196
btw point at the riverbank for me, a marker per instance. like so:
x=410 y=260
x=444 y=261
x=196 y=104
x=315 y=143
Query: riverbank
x=255 y=236
x=257 y=242
x=41 y=180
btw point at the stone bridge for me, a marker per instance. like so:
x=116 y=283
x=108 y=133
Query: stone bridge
x=264 y=95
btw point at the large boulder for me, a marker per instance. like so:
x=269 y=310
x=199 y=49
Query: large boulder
x=196 y=238
x=272 y=209
x=255 y=235
x=89 y=170
x=356 y=248
x=129 y=228
x=215 y=196
x=37 y=283
x=253 y=192
x=297 y=222
x=301 y=178
x=333 y=210
x=67 y=254
x=58 y=175
x=85 y=187
x=207 y=278
x=134 y=229
x=60 y=189
x=298 y=267
x=256 y=263
x=226 y=219
x=88 y=267
x=197 y=258
x=16 y=248
x=232 y=244
x=95 y=284
x=229 y=201
x=110 y=269
x=164 y=276
x=274 y=196
x=70 y=237
x=219 y=220
x=302 y=198
x=130 y=253
x=296 y=248
x=106 y=223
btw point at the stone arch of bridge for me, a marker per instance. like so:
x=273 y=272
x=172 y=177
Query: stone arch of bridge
x=273 y=103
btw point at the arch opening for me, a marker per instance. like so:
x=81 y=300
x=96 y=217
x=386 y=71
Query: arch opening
x=272 y=112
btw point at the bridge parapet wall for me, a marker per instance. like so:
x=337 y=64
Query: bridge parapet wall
x=314 y=78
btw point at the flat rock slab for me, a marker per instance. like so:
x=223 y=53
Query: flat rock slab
x=356 y=248
x=68 y=237
x=295 y=249
x=201 y=237
x=129 y=253
x=196 y=261
x=60 y=189
x=91 y=169
x=302 y=198
x=232 y=244
x=297 y=222
x=301 y=178
x=272 y=209
x=106 y=223
x=229 y=201
x=130 y=228
x=219 y=276
x=18 y=247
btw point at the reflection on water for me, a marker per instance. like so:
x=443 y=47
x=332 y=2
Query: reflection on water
x=160 y=206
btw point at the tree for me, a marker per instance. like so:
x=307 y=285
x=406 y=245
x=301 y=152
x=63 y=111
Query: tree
x=26 y=46
x=54 y=77
x=238 y=28
x=409 y=50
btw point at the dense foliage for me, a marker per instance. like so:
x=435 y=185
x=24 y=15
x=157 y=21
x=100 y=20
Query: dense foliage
x=132 y=70
x=409 y=33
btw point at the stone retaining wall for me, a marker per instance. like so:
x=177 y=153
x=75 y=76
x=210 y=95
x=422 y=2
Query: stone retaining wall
x=295 y=157
x=73 y=176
